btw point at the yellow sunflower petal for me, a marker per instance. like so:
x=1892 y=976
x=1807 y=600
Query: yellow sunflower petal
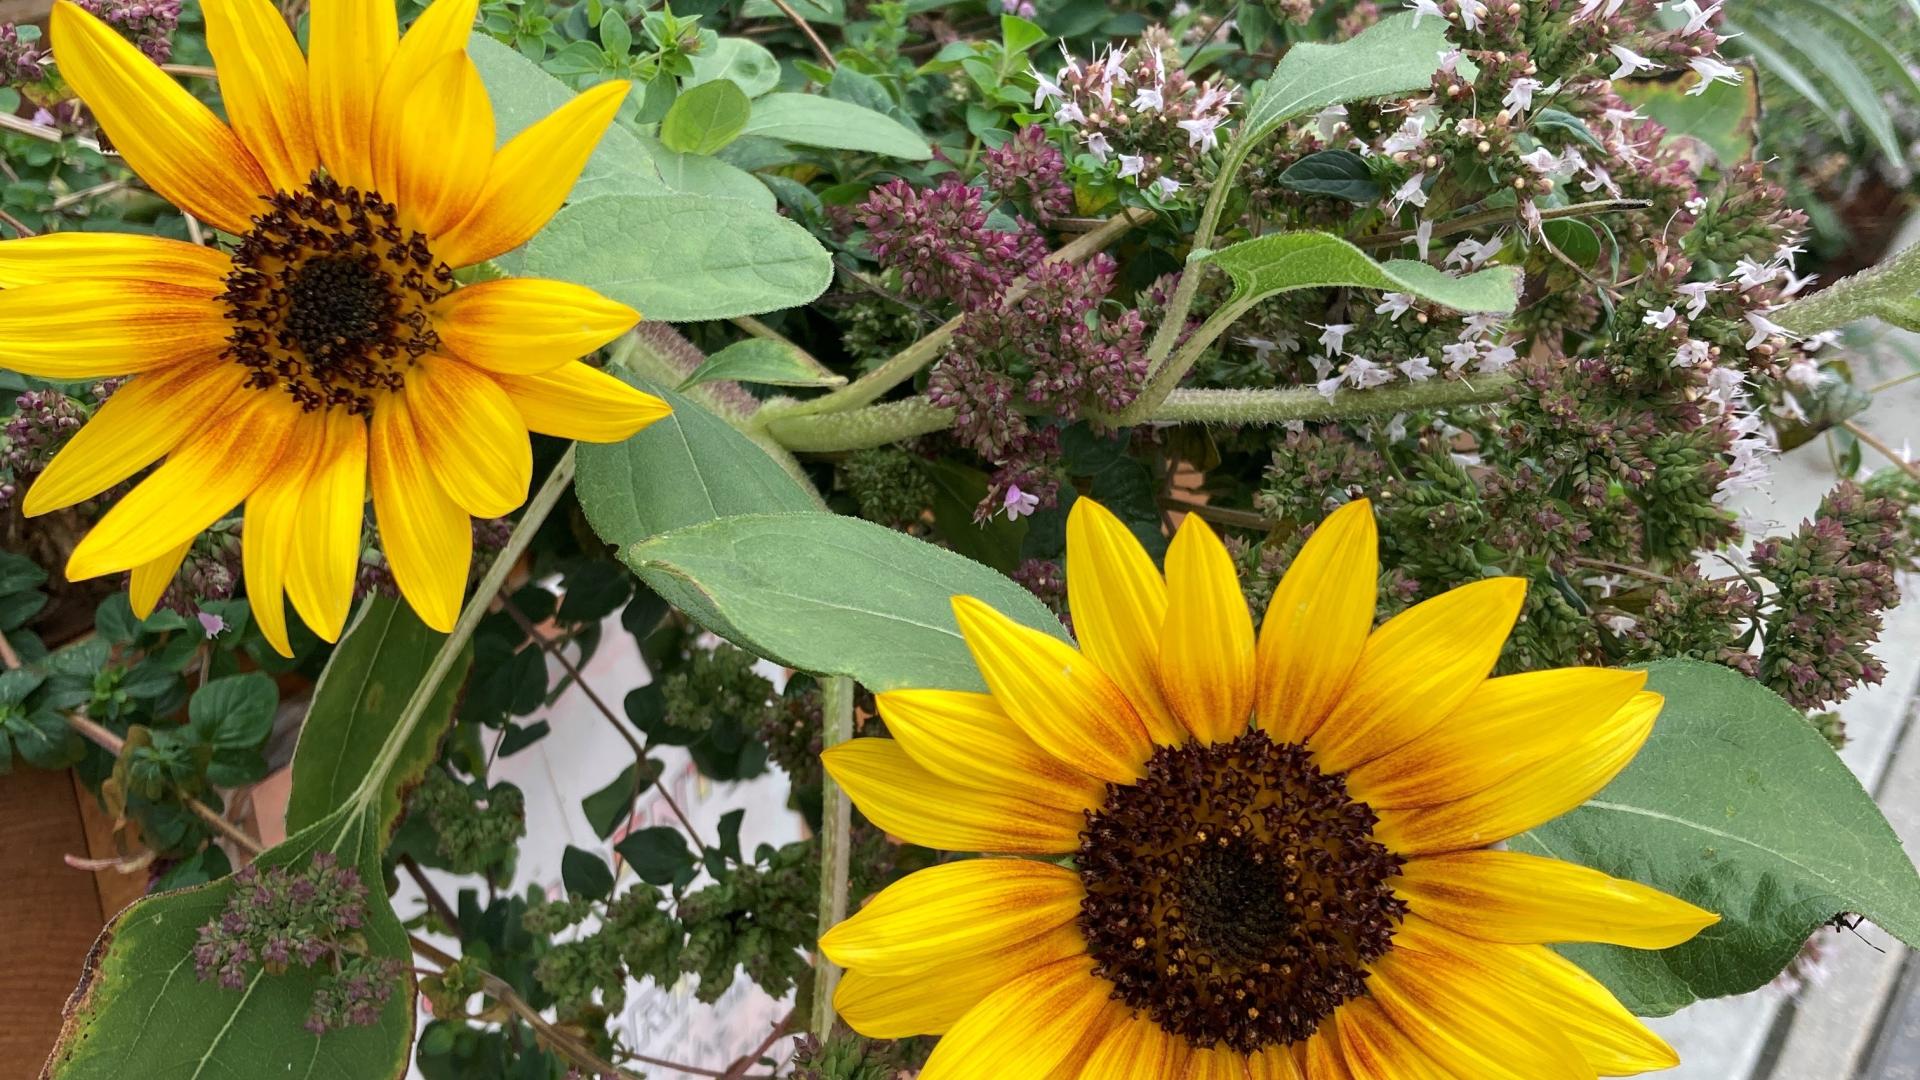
x=1529 y=798
x=141 y=422
x=900 y=1006
x=576 y=401
x=92 y=256
x=351 y=43
x=263 y=83
x=475 y=441
x=1549 y=992
x=1206 y=641
x=1119 y=600
x=1027 y=1028
x=903 y=798
x=1416 y=669
x=1273 y=1063
x=1375 y=1049
x=531 y=176
x=175 y=143
x=1210 y=1063
x=1505 y=725
x=1135 y=1048
x=1452 y=1008
x=273 y=512
x=1057 y=696
x=1317 y=624
x=1324 y=1060
x=150 y=579
x=525 y=326
x=924 y=920
x=325 y=558
x=1524 y=899
x=969 y=739
x=1612 y=1039
x=442 y=29
x=432 y=158
x=427 y=537
x=87 y=329
x=209 y=473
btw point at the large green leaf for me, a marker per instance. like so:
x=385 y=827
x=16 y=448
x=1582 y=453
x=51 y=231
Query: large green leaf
x=812 y=120
x=1396 y=55
x=1738 y=805
x=747 y=64
x=623 y=163
x=688 y=468
x=682 y=258
x=140 y=1011
x=834 y=595
x=1279 y=262
x=705 y=118
x=765 y=362
x=360 y=695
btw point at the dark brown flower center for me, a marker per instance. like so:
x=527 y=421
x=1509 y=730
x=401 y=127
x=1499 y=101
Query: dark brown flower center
x=328 y=296
x=1235 y=894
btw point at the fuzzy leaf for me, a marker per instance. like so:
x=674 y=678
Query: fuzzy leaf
x=813 y=120
x=769 y=363
x=1396 y=55
x=1280 y=262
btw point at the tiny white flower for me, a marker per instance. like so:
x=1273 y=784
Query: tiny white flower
x=1200 y=132
x=1333 y=336
x=1749 y=274
x=1691 y=354
x=1696 y=294
x=1408 y=194
x=1712 y=70
x=1795 y=284
x=1662 y=318
x=1397 y=427
x=1044 y=89
x=1519 y=97
x=1630 y=61
x=1621 y=624
x=1098 y=146
x=1418 y=369
x=1328 y=387
x=1498 y=358
x=1805 y=373
x=1480 y=326
x=1167 y=185
x=1069 y=113
x=1394 y=305
x=1821 y=340
x=1459 y=354
x=1541 y=160
x=1471 y=12
x=1327 y=121
x=1365 y=374
x=1764 y=328
x=1423 y=237
x=1472 y=254
x=1148 y=97
x=1132 y=164
x=1425 y=7
x=1697 y=19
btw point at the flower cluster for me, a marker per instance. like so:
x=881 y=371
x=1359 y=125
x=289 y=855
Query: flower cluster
x=22 y=60
x=1138 y=114
x=149 y=24
x=472 y=835
x=310 y=918
x=939 y=243
x=42 y=422
x=1833 y=577
x=1027 y=169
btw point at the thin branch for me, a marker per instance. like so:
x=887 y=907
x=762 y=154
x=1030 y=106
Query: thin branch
x=112 y=744
x=436 y=902
x=1219 y=515
x=191 y=71
x=84 y=194
x=826 y=54
x=639 y=752
x=747 y=1061
x=1886 y=451
x=836 y=820
x=1503 y=216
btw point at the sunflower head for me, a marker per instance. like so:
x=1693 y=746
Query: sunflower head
x=328 y=349
x=1274 y=849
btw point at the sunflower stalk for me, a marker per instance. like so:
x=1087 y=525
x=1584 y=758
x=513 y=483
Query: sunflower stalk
x=836 y=820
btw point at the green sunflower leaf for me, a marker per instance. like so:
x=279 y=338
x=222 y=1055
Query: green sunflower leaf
x=1738 y=805
x=833 y=595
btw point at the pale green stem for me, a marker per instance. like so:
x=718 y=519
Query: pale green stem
x=1175 y=317
x=1169 y=375
x=1857 y=297
x=861 y=429
x=530 y=521
x=902 y=366
x=836 y=819
x=879 y=425
x=1282 y=406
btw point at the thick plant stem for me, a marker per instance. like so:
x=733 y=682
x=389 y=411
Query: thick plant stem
x=861 y=429
x=1168 y=375
x=1857 y=297
x=870 y=387
x=1184 y=291
x=1282 y=406
x=836 y=824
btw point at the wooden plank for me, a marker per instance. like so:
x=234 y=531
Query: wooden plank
x=53 y=913
x=24 y=10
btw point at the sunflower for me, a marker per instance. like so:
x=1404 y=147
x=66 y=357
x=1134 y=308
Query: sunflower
x=329 y=343
x=1256 y=859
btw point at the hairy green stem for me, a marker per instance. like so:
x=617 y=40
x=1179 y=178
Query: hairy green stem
x=1865 y=293
x=861 y=429
x=836 y=819
x=1282 y=406
x=1175 y=317
x=1168 y=375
